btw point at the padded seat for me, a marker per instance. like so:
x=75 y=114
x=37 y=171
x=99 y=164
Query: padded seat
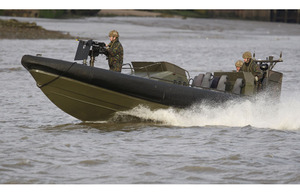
x=198 y=80
x=237 y=87
x=206 y=82
x=222 y=83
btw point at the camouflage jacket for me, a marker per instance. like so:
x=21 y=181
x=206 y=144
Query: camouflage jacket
x=115 y=55
x=251 y=67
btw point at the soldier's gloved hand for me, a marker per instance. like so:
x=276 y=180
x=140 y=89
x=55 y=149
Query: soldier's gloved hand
x=256 y=78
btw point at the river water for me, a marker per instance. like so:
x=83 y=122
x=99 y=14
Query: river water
x=245 y=143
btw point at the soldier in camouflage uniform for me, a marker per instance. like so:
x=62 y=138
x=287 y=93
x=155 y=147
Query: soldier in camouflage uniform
x=250 y=66
x=115 y=52
x=238 y=65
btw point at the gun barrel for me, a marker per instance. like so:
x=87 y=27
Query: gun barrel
x=279 y=60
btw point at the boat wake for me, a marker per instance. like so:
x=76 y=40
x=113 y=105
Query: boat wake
x=259 y=114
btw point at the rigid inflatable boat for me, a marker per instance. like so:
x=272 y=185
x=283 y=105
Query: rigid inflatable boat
x=89 y=93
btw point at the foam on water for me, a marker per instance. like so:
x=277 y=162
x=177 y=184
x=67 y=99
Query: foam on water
x=283 y=115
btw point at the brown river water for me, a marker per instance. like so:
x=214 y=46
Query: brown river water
x=237 y=143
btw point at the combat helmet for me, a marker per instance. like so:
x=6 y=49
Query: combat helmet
x=247 y=54
x=113 y=33
x=239 y=63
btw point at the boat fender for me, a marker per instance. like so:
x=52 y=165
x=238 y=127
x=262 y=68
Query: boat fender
x=237 y=87
x=222 y=83
x=206 y=80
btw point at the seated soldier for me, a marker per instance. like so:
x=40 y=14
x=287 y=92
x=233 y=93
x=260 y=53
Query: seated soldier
x=238 y=65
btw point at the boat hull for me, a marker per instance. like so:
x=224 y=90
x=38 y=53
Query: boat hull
x=83 y=101
x=94 y=94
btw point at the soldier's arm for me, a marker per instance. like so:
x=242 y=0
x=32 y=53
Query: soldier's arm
x=113 y=51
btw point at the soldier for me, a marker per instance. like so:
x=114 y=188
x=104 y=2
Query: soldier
x=115 y=52
x=250 y=66
x=238 y=65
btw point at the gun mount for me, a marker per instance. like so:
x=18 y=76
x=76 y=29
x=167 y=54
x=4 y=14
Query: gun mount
x=270 y=78
x=89 y=48
x=269 y=61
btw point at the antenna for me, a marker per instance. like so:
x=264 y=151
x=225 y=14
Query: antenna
x=280 y=56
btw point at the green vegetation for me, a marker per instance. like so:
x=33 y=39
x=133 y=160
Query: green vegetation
x=14 y=29
x=60 y=13
x=52 y=13
x=16 y=24
x=290 y=16
x=184 y=13
x=49 y=13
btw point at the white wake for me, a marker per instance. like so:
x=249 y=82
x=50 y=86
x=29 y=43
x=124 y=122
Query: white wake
x=282 y=115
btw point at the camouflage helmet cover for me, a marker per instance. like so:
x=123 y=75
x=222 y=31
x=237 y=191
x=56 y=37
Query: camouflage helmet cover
x=113 y=33
x=247 y=54
x=239 y=63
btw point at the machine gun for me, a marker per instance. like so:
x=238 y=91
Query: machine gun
x=90 y=48
x=268 y=63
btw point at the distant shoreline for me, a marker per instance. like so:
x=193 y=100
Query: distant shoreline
x=128 y=12
x=14 y=29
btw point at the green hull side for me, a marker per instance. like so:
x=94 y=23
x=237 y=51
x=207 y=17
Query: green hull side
x=83 y=101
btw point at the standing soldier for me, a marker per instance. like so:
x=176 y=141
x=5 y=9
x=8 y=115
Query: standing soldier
x=249 y=65
x=115 y=52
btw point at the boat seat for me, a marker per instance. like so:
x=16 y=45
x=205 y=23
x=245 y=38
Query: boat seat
x=197 y=80
x=206 y=80
x=237 y=87
x=215 y=82
x=222 y=83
